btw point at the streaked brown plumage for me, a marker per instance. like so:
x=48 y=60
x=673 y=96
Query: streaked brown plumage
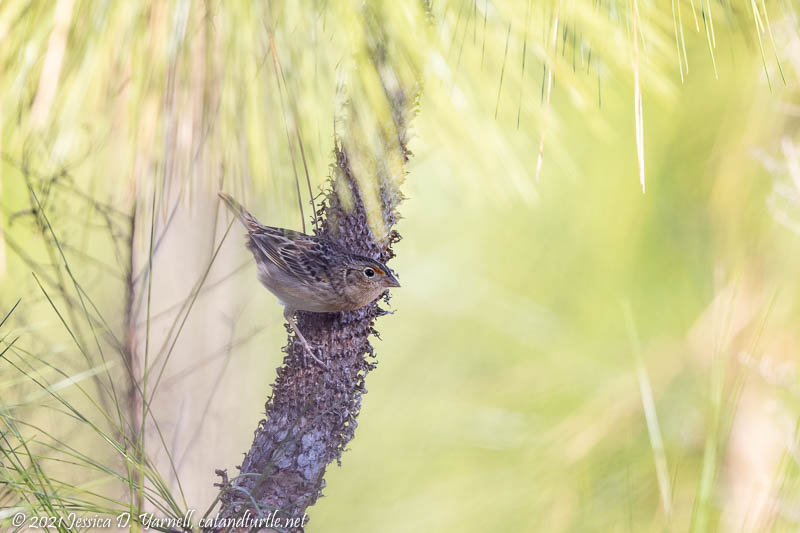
x=310 y=273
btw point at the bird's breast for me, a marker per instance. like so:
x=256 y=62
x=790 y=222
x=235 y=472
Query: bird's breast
x=303 y=296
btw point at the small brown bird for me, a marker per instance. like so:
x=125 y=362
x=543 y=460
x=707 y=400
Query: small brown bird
x=310 y=273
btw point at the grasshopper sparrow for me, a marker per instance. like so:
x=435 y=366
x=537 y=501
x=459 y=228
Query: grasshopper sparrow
x=310 y=273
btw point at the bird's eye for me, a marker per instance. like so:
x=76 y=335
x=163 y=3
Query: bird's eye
x=369 y=272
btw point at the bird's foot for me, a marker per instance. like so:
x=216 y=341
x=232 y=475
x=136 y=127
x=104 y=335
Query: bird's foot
x=309 y=351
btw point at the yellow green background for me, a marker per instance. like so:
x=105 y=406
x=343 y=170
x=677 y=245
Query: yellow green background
x=539 y=316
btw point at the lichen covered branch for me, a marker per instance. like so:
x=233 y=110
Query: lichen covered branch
x=312 y=412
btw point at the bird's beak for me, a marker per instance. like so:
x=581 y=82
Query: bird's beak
x=391 y=281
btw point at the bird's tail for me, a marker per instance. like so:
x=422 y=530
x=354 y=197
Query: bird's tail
x=241 y=213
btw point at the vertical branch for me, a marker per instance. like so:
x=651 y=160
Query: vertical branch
x=312 y=412
x=131 y=359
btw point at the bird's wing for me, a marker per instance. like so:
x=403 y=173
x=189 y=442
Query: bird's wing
x=301 y=256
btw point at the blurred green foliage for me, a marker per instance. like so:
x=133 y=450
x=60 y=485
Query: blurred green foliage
x=507 y=395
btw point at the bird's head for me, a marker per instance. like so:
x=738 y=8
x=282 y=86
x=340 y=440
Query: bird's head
x=368 y=279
